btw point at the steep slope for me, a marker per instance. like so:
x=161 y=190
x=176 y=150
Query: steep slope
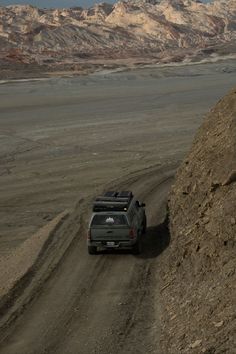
x=200 y=278
x=145 y=28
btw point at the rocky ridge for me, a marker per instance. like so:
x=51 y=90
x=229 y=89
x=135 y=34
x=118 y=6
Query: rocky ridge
x=199 y=278
x=166 y=30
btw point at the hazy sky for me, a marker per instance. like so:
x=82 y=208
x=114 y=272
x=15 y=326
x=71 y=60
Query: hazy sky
x=55 y=3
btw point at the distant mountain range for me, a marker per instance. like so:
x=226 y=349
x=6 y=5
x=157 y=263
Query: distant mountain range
x=163 y=30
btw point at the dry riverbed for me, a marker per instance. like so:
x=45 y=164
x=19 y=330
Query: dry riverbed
x=61 y=139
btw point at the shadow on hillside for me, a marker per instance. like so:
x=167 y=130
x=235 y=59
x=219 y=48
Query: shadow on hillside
x=155 y=241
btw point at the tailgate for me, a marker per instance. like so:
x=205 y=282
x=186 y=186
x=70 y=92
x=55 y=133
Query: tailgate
x=110 y=233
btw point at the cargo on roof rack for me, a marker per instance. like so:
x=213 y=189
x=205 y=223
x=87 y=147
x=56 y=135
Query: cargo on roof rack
x=113 y=201
x=110 y=194
x=125 y=194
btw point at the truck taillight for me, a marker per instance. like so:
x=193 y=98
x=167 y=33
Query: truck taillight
x=131 y=233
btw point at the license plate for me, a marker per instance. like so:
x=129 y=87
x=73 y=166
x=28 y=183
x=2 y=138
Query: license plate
x=111 y=244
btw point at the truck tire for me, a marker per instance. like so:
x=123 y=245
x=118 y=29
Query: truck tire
x=92 y=249
x=144 y=228
x=137 y=247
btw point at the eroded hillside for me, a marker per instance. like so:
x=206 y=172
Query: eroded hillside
x=199 y=290
x=166 y=30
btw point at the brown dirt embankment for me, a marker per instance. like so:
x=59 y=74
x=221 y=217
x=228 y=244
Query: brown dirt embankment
x=199 y=279
x=16 y=267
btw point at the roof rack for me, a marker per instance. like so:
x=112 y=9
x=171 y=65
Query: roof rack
x=113 y=201
x=125 y=194
x=110 y=194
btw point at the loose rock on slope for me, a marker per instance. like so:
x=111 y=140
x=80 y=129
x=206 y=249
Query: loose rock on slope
x=199 y=279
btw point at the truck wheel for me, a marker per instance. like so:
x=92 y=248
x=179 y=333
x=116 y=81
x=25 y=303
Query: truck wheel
x=92 y=249
x=137 y=247
x=144 y=229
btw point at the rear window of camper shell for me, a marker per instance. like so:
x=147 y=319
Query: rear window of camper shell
x=109 y=220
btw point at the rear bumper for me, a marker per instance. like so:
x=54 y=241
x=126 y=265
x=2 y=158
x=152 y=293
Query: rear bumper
x=117 y=244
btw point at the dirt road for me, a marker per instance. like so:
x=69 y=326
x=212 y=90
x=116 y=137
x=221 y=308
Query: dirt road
x=102 y=304
x=68 y=141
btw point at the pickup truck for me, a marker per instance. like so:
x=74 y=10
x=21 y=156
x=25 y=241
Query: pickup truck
x=117 y=222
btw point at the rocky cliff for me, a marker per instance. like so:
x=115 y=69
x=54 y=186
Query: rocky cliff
x=144 y=28
x=200 y=279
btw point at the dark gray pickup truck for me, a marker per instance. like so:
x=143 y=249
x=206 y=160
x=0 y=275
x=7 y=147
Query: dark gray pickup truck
x=118 y=222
